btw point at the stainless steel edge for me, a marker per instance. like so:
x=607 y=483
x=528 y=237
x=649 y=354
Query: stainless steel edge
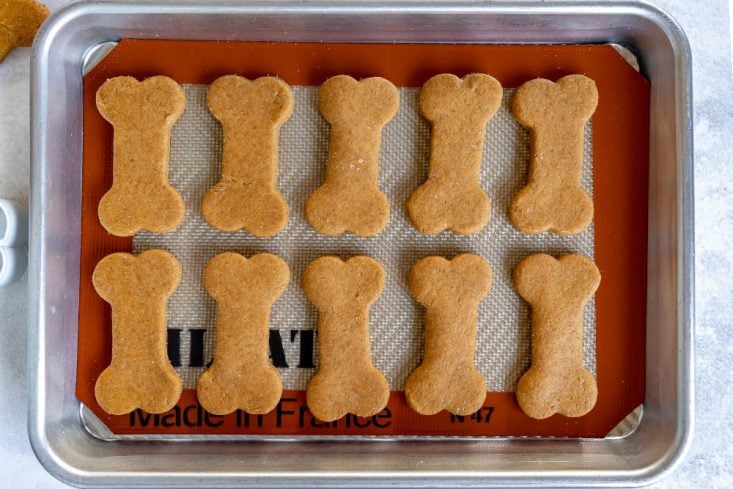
x=70 y=454
x=685 y=383
x=38 y=256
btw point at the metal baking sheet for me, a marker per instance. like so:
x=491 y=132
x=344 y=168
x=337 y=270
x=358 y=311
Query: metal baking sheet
x=66 y=449
x=620 y=181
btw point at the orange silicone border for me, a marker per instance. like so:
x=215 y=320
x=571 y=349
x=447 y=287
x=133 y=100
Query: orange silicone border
x=620 y=145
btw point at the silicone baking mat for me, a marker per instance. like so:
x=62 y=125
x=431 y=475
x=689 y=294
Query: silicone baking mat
x=502 y=352
x=396 y=330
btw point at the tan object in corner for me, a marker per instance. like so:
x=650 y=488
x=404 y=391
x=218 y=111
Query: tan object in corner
x=251 y=114
x=555 y=114
x=242 y=376
x=450 y=291
x=346 y=380
x=142 y=114
x=349 y=199
x=451 y=197
x=19 y=22
x=140 y=374
x=557 y=290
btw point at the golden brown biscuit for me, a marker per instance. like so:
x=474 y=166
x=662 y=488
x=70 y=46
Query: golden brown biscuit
x=557 y=290
x=241 y=376
x=142 y=114
x=555 y=114
x=450 y=291
x=346 y=380
x=19 y=22
x=251 y=114
x=349 y=199
x=140 y=375
x=458 y=110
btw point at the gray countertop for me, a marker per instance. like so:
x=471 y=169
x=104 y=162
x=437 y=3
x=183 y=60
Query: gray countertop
x=709 y=463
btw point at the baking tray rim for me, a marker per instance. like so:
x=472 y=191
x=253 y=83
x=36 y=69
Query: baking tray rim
x=38 y=283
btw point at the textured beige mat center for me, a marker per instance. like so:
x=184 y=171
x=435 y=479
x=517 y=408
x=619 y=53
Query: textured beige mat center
x=503 y=338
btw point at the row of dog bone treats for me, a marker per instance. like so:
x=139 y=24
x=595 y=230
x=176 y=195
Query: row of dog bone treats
x=242 y=377
x=252 y=112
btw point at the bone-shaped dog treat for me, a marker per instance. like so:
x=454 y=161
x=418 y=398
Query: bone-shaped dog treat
x=242 y=376
x=251 y=114
x=346 y=381
x=555 y=114
x=451 y=197
x=140 y=375
x=349 y=199
x=19 y=21
x=557 y=290
x=142 y=114
x=450 y=291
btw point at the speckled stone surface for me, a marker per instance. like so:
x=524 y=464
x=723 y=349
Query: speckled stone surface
x=709 y=463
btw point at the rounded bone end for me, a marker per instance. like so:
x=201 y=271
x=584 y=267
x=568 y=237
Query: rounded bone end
x=260 y=280
x=124 y=211
x=362 y=391
x=435 y=207
x=331 y=283
x=152 y=275
x=230 y=206
x=475 y=97
x=255 y=391
x=156 y=390
x=571 y=391
x=157 y=101
x=570 y=101
x=236 y=100
x=538 y=208
x=437 y=282
x=370 y=102
x=567 y=282
x=433 y=388
x=20 y=21
x=332 y=210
